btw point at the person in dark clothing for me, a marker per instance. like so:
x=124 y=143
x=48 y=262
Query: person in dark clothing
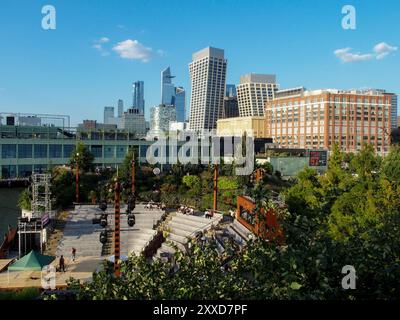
x=62 y=264
x=73 y=254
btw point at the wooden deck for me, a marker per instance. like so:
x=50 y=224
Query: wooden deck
x=82 y=269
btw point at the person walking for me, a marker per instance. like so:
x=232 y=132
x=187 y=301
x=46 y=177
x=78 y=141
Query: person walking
x=73 y=254
x=62 y=264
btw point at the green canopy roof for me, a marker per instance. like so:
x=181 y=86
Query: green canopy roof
x=32 y=261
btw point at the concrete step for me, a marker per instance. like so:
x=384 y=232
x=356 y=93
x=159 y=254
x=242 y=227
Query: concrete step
x=189 y=222
x=178 y=238
x=180 y=232
x=165 y=247
x=236 y=236
x=193 y=218
x=241 y=230
x=186 y=227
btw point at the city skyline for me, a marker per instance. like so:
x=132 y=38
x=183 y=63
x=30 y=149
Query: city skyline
x=87 y=63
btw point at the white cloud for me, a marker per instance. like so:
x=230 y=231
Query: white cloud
x=346 y=56
x=104 y=40
x=98 y=45
x=133 y=50
x=380 y=51
x=383 y=49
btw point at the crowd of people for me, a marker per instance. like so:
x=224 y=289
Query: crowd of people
x=185 y=210
x=152 y=205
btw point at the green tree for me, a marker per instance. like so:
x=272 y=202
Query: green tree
x=365 y=163
x=82 y=157
x=391 y=165
x=24 y=200
x=192 y=182
x=227 y=183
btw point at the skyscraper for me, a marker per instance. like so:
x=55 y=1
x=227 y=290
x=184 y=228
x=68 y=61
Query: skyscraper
x=138 y=96
x=394 y=112
x=230 y=108
x=171 y=95
x=108 y=115
x=161 y=116
x=230 y=90
x=253 y=92
x=167 y=87
x=180 y=104
x=320 y=118
x=208 y=77
x=120 y=108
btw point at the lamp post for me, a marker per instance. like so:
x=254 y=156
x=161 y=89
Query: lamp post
x=133 y=175
x=77 y=179
x=117 y=248
x=215 y=187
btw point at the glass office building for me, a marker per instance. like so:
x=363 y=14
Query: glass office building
x=27 y=149
x=138 y=96
x=180 y=104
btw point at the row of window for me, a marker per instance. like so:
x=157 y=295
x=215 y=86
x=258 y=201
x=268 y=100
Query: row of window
x=41 y=151
x=22 y=171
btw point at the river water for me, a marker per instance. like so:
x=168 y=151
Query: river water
x=9 y=211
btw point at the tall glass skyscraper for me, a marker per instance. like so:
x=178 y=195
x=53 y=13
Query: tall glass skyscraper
x=167 y=87
x=108 y=115
x=171 y=95
x=180 y=104
x=138 y=96
x=230 y=91
x=120 y=108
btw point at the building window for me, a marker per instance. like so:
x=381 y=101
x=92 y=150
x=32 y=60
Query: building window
x=40 y=150
x=40 y=168
x=109 y=151
x=9 y=151
x=8 y=172
x=97 y=151
x=143 y=151
x=68 y=149
x=55 y=151
x=24 y=171
x=121 y=151
x=25 y=151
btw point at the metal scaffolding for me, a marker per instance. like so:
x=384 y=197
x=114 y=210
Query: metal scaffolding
x=41 y=210
x=41 y=194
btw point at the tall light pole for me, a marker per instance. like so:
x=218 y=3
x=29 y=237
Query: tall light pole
x=133 y=175
x=77 y=179
x=215 y=187
x=117 y=245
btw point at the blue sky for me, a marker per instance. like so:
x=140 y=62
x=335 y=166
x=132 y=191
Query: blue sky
x=100 y=47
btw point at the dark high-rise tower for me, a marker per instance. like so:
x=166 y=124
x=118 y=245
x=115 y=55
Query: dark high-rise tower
x=138 y=96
